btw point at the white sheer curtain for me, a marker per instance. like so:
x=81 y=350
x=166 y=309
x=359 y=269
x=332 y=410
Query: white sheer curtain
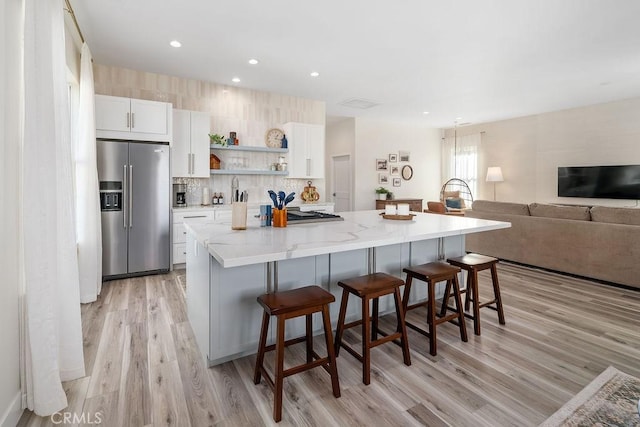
x=53 y=327
x=460 y=159
x=88 y=225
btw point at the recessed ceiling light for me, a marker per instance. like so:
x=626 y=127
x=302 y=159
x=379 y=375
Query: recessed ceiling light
x=235 y=80
x=425 y=112
x=253 y=61
x=175 y=43
x=314 y=74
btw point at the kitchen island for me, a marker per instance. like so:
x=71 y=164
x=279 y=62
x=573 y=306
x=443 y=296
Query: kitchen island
x=227 y=270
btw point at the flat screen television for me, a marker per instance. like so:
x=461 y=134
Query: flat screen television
x=601 y=182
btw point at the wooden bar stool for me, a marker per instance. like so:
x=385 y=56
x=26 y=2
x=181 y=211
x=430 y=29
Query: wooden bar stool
x=472 y=264
x=433 y=273
x=367 y=288
x=287 y=305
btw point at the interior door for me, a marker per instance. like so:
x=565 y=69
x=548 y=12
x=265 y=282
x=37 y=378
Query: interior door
x=149 y=179
x=342 y=183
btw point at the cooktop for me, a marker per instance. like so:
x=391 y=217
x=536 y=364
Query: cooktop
x=299 y=217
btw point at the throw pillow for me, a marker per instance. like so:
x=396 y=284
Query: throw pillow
x=454 y=203
x=501 y=207
x=450 y=194
x=628 y=216
x=580 y=213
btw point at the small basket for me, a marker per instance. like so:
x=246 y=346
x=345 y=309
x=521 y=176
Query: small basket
x=214 y=162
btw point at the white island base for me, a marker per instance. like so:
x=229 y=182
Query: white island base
x=227 y=270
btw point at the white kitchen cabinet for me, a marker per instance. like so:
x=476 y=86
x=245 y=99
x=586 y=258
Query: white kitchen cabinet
x=190 y=150
x=306 y=150
x=179 y=236
x=133 y=119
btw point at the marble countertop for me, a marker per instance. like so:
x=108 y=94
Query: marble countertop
x=359 y=230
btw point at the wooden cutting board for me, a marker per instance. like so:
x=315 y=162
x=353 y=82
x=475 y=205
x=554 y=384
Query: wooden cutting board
x=310 y=194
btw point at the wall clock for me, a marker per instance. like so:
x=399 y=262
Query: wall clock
x=273 y=138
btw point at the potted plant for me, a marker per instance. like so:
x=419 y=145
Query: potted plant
x=382 y=193
x=217 y=139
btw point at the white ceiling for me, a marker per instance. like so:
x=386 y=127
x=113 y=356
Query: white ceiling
x=481 y=60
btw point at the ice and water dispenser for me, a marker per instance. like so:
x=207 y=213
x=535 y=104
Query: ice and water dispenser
x=110 y=196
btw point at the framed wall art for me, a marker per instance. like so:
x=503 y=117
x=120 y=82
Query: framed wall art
x=396 y=182
x=393 y=158
x=381 y=164
x=383 y=178
x=407 y=172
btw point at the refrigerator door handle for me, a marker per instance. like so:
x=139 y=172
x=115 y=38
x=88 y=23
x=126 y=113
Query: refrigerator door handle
x=130 y=195
x=124 y=198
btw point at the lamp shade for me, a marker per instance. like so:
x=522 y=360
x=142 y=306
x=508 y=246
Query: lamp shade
x=494 y=174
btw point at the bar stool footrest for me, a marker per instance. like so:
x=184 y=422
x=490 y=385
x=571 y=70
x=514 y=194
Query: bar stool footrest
x=287 y=343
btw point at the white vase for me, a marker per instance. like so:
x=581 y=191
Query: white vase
x=382 y=196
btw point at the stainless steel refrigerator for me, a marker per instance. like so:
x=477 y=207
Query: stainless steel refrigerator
x=135 y=207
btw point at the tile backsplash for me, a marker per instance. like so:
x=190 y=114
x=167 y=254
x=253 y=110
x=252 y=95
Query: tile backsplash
x=256 y=185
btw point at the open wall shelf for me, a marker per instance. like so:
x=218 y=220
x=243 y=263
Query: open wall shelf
x=247 y=172
x=248 y=148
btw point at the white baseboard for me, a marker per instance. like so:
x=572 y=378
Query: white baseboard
x=13 y=413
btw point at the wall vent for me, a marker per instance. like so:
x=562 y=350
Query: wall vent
x=360 y=103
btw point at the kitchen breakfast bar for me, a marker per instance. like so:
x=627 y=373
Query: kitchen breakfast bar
x=227 y=270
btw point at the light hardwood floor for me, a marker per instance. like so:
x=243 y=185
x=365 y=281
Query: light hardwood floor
x=144 y=368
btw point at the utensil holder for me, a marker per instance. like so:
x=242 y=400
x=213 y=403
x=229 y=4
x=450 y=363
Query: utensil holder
x=239 y=216
x=280 y=217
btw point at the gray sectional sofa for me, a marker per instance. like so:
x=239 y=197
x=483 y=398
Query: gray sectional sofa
x=597 y=242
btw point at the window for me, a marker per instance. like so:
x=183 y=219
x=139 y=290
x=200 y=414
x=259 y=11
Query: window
x=460 y=159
